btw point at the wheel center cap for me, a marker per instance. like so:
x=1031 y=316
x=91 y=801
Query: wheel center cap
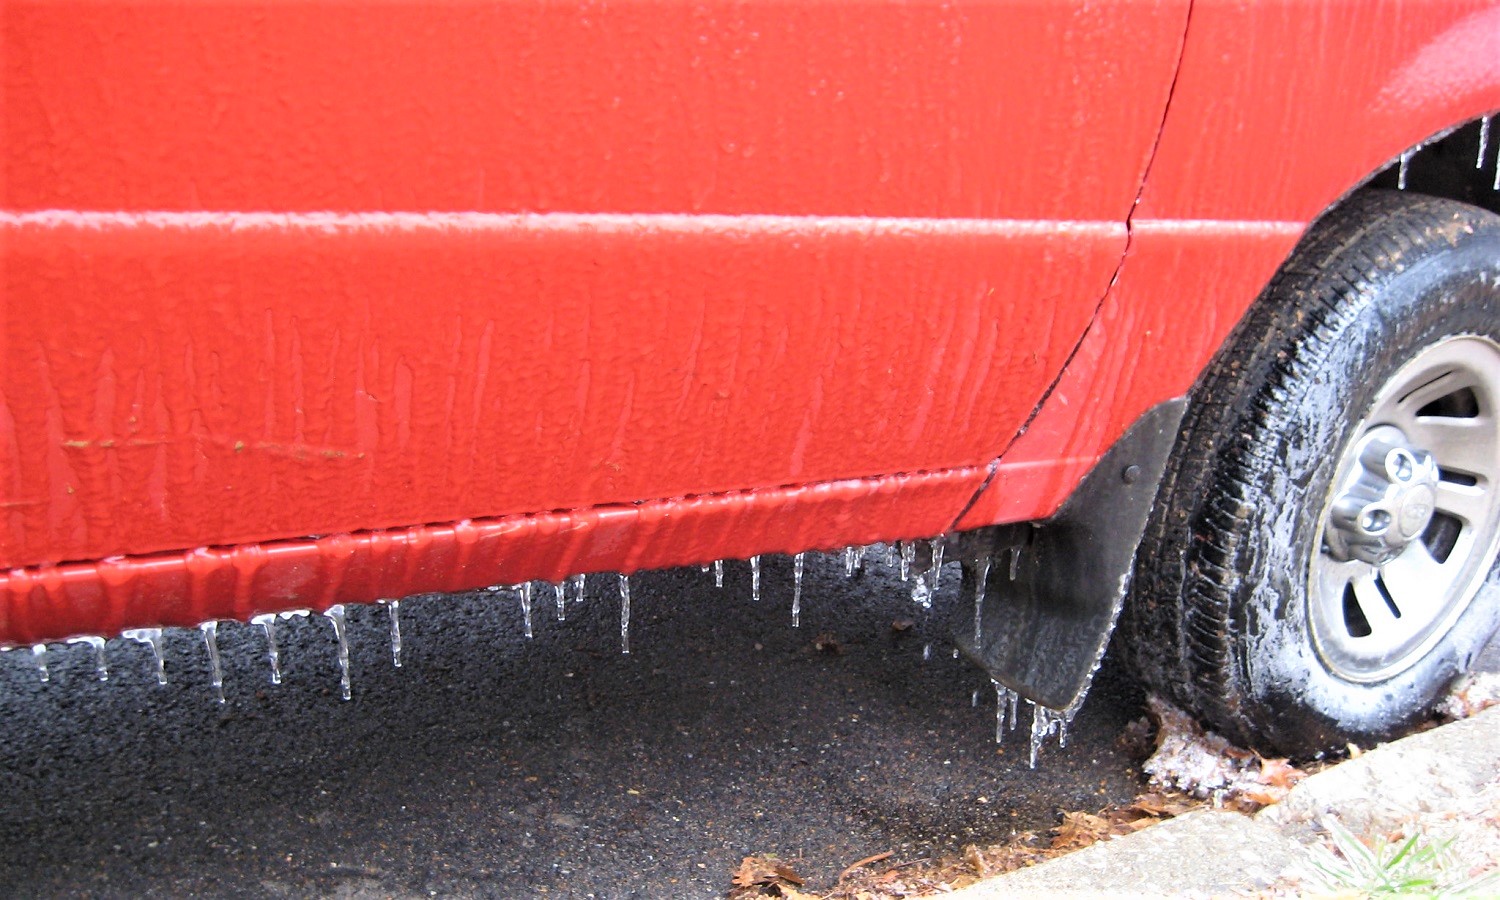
x=1385 y=500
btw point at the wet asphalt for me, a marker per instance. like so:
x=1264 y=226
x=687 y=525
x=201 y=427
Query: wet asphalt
x=493 y=766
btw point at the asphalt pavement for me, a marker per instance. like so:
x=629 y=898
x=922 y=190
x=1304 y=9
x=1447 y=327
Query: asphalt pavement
x=493 y=765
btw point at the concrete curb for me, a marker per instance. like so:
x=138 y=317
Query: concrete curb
x=1447 y=775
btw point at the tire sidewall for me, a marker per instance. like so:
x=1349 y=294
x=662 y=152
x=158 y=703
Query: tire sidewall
x=1296 y=703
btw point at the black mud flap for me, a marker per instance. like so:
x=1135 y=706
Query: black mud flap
x=1047 y=594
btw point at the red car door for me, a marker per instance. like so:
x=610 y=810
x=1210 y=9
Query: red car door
x=276 y=269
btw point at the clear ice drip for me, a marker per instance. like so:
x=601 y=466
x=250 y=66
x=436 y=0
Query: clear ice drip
x=982 y=564
x=1015 y=563
x=926 y=652
x=755 y=578
x=210 y=631
x=394 y=606
x=1401 y=173
x=267 y=622
x=854 y=560
x=39 y=653
x=578 y=582
x=1484 y=142
x=101 y=665
x=335 y=616
x=921 y=590
x=974 y=698
x=937 y=562
x=523 y=591
x=718 y=573
x=559 y=593
x=1045 y=722
x=908 y=556
x=624 y=613
x=151 y=637
x=1007 y=703
x=890 y=556
x=797 y=565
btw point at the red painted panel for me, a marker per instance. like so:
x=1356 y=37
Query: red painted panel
x=1030 y=109
x=1182 y=288
x=55 y=602
x=1284 y=105
x=183 y=379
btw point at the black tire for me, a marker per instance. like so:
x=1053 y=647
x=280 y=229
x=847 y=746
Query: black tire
x=1220 y=616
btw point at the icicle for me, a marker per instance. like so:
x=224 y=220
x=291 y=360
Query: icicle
x=1038 y=730
x=560 y=595
x=1013 y=700
x=982 y=579
x=335 y=616
x=1046 y=722
x=755 y=578
x=625 y=614
x=890 y=556
x=937 y=562
x=39 y=653
x=797 y=563
x=849 y=561
x=151 y=636
x=1015 y=563
x=210 y=631
x=1000 y=692
x=706 y=567
x=578 y=582
x=974 y=699
x=718 y=573
x=1496 y=185
x=921 y=589
x=101 y=666
x=908 y=556
x=267 y=622
x=1401 y=173
x=1484 y=142
x=926 y=652
x=394 y=606
x=523 y=591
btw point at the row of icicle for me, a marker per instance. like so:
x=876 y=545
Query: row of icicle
x=902 y=556
x=1404 y=164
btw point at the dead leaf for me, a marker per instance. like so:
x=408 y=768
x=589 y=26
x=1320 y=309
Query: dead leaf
x=827 y=643
x=766 y=876
x=1078 y=830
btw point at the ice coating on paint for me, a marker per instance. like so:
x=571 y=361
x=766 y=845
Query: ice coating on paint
x=39 y=653
x=559 y=594
x=982 y=563
x=101 y=665
x=267 y=622
x=523 y=591
x=755 y=578
x=394 y=607
x=210 y=630
x=908 y=556
x=797 y=564
x=578 y=582
x=335 y=615
x=1484 y=142
x=718 y=573
x=937 y=563
x=625 y=614
x=151 y=637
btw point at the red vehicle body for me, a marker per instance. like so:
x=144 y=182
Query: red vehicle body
x=312 y=303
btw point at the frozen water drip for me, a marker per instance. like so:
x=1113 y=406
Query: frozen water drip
x=152 y=638
x=101 y=665
x=523 y=591
x=908 y=556
x=718 y=573
x=578 y=582
x=755 y=578
x=797 y=564
x=335 y=615
x=625 y=614
x=39 y=653
x=394 y=608
x=559 y=593
x=982 y=577
x=210 y=631
x=267 y=622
